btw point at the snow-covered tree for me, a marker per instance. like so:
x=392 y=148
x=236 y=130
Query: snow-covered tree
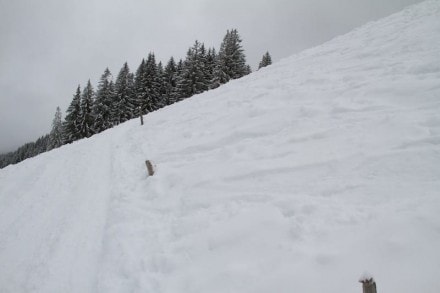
x=210 y=64
x=56 y=134
x=139 y=89
x=27 y=150
x=102 y=106
x=194 y=78
x=265 y=61
x=162 y=99
x=87 y=119
x=177 y=96
x=231 y=61
x=147 y=85
x=71 y=125
x=131 y=94
x=169 y=80
x=40 y=146
x=123 y=106
x=151 y=82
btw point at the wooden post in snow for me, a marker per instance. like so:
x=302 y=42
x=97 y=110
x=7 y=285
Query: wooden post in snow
x=150 y=167
x=140 y=115
x=368 y=284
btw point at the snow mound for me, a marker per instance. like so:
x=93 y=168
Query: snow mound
x=366 y=277
x=292 y=179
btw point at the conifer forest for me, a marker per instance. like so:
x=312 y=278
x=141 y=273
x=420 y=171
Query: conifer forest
x=130 y=94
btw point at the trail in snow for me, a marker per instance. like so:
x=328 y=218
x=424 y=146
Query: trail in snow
x=296 y=178
x=53 y=215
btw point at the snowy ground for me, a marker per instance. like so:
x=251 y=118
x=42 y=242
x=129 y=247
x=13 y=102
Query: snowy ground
x=297 y=178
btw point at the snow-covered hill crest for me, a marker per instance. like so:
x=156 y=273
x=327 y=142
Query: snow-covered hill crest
x=297 y=178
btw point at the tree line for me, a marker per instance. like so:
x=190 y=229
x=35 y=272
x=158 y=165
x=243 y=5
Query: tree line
x=151 y=87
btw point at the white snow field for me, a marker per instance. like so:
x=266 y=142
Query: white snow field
x=298 y=178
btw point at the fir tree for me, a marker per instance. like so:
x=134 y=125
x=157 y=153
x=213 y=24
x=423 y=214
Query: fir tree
x=176 y=95
x=169 y=79
x=56 y=134
x=40 y=146
x=113 y=119
x=210 y=64
x=71 y=125
x=151 y=83
x=131 y=94
x=103 y=103
x=194 y=76
x=265 y=61
x=86 y=118
x=248 y=70
x=161 y=101
x=139 y=89
x=231 y=61
x=27 y=150
x=147 y=85
x=123 y=107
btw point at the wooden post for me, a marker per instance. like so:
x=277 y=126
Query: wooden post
x=368 y=285
x=150 y=167
x=140 y=115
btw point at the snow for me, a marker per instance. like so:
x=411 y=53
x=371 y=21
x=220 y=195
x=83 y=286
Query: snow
x=366 y=277
x=296 y=178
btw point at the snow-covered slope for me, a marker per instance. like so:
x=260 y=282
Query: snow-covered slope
x=297 y=178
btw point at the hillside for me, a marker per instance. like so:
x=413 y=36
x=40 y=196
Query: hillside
x=297 y=178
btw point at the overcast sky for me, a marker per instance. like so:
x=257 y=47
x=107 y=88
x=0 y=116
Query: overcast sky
x=48 y=47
